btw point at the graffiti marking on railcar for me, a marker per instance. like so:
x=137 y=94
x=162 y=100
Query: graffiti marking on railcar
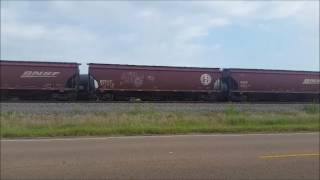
x=107 y=84
x=133 y=78
x=244 y=84
x=150 y=78
x=39 y=74
x=311 y=81
x=103 y=83
x=205 y=79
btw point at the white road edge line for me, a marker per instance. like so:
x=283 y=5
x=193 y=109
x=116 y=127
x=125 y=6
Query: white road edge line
x=151 y=136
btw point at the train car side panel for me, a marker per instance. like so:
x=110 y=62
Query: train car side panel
x=26 y=77
x=266 y=82
x=155 y=78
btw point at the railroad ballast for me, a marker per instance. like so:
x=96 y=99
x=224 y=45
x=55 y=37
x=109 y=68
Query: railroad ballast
x=111 y=82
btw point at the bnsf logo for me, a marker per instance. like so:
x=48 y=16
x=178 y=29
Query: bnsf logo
x=46 y=74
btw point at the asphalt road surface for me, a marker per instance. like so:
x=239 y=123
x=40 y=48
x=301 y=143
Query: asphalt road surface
x=255 y=156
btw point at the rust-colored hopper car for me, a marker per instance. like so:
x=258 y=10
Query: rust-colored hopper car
x=38 y=80
x=272 y=85
x=127 y=82
x=113 y=82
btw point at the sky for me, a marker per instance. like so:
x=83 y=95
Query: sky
x=232 y=34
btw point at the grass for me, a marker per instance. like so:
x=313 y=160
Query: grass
x=312 y=108
x=148 y=121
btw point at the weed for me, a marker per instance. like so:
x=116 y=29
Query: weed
x=149 y=121
x=312 y=108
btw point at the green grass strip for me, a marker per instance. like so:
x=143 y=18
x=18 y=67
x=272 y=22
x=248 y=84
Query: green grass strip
x=148 y=122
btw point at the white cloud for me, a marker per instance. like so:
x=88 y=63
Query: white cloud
x=192 y=32
x=234 y=8
x=148 y=14
x=158 y=33
x=284 y=10
x=23 y=31
x=219 y=22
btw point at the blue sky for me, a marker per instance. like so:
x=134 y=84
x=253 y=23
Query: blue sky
x=238 y=34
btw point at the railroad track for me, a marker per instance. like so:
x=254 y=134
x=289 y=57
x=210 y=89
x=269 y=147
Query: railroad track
x=155 y=102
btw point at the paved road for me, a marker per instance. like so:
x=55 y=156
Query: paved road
x=271 y=156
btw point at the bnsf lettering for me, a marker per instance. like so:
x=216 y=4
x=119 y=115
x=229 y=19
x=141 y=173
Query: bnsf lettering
x=311 y=81
x=32 y=74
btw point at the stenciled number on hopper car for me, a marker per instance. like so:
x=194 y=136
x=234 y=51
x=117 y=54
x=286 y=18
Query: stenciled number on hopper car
x=244 y=84
x=205 y=79
x=311 y=81
x=39 y=74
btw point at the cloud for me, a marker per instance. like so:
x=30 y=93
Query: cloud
x=154 y=33
x=233 y=9
x=22 y=31
x=284 y=10
x=218 y=22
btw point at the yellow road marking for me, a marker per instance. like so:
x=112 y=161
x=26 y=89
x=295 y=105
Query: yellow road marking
x=289 y=155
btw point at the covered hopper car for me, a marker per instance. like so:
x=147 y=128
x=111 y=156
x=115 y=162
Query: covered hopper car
x=38 y=80
x=271 y=85
x=113 y=82
x=127 y=82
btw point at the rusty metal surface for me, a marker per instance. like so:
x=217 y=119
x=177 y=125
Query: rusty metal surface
x=155 y=78
x=36 y=75
x=275 y=81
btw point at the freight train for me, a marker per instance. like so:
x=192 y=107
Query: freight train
x=29 y=80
